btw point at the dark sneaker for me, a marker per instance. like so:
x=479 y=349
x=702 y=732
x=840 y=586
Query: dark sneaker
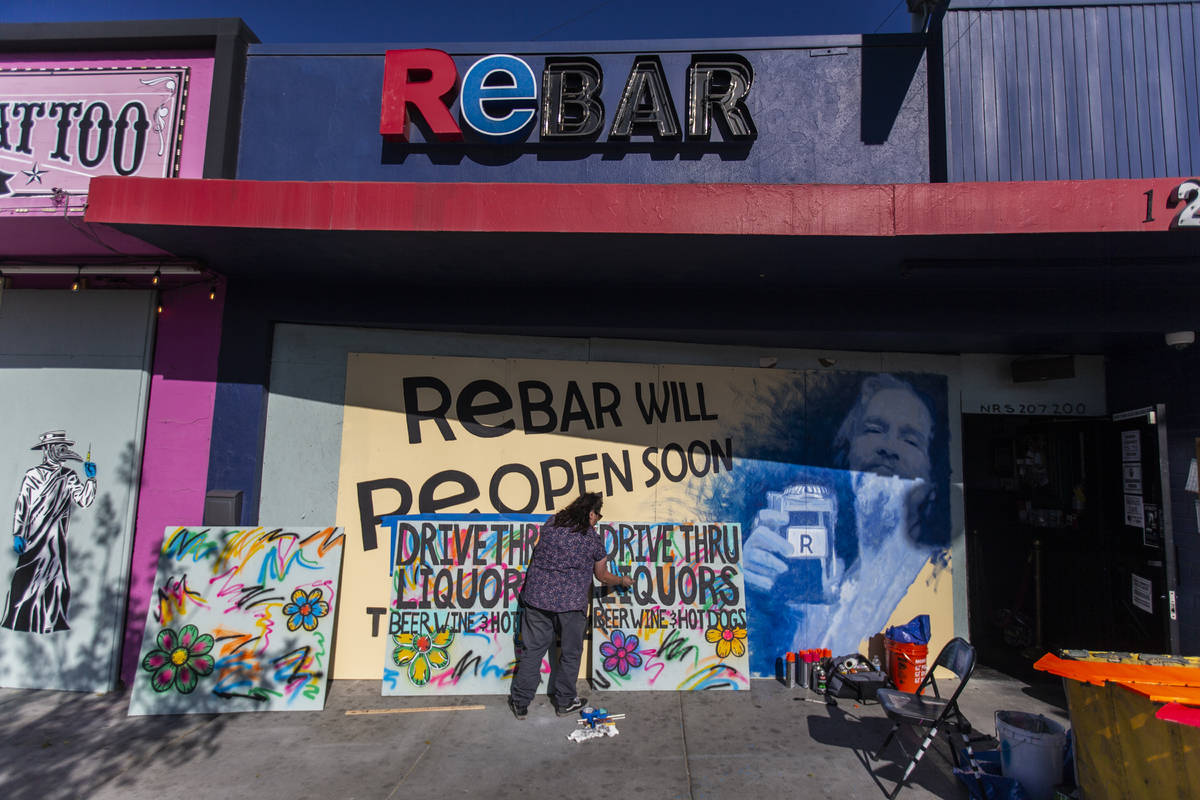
x=571 y=707
x=520 y=712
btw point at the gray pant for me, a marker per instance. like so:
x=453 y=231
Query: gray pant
x=537 y=633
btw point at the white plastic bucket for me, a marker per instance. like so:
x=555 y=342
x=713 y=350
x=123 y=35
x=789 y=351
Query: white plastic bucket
x=1032 y=750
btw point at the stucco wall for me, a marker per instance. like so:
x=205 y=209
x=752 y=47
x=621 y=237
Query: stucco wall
x=843 y=110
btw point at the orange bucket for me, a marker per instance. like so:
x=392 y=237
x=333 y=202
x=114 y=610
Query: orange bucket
x=906 y=664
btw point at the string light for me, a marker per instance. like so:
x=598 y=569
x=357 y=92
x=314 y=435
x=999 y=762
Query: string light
x=75 y=284
x=212 y=292
x=157 y=277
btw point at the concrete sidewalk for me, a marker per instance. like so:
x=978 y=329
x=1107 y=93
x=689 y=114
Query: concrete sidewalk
x=765 y=743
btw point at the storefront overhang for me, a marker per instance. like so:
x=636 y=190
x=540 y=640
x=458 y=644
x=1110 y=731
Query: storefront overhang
x=1088 y=258
x=718 y=233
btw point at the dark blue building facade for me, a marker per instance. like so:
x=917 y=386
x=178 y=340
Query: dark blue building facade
x=848 y=109
x=1082 y=92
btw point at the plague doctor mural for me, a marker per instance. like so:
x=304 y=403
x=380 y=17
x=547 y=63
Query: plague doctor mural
x=40 y=594
x=844 y=493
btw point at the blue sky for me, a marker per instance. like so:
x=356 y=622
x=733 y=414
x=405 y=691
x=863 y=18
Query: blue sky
x=447 y=21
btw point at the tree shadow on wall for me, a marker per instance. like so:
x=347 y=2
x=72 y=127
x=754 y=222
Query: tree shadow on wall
x=888 y=71
x=73 y=745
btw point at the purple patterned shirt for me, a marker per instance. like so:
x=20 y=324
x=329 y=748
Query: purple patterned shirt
x=560 y=570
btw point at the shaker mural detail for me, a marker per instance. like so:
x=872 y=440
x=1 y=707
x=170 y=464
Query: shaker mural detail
x=845 y=492
x=242 y=620
x=682 y=625
x=837 y=482
x=39 y=597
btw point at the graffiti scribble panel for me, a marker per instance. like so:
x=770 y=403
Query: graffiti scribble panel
x=683 y=623
x=241 y=620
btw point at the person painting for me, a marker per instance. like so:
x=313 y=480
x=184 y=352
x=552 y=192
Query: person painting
x=554 y=600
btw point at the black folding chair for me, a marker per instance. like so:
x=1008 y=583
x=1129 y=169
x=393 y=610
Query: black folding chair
x=935 y=713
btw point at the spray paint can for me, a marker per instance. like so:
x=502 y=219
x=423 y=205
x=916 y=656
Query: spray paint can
x=789 y=671
x=802 y=669
x=819 y=685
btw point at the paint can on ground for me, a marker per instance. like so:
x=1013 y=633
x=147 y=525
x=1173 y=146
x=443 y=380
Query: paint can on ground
x=906 y=663
x=1032 y=750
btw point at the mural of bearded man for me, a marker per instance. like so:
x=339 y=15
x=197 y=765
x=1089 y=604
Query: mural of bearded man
x=40 y=594
x=844 y=489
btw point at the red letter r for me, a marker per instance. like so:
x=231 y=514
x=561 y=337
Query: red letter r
x=424 y=79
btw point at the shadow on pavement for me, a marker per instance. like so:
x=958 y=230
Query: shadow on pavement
x=842 y=727
x=69 y=745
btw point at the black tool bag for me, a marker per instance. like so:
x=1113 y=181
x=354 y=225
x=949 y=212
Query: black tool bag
x=854 y=678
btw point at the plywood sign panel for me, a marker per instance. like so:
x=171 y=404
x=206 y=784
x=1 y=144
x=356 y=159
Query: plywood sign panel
x=682 y=625
x=838 y=483
x=453 y=621
x=242 y=620
x=453 y=624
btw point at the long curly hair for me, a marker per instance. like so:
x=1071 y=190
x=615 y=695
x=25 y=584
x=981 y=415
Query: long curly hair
x=575 y=516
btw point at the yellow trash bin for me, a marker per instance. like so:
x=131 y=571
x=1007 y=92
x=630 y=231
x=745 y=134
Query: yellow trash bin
x=1122 y=750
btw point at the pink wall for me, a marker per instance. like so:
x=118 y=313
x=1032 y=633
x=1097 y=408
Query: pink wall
x=178 y=435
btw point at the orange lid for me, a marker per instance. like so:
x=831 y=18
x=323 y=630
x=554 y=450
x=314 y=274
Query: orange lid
x=791 y=656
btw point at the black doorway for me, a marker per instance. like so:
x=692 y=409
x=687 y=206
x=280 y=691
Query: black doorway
x=1038 y=558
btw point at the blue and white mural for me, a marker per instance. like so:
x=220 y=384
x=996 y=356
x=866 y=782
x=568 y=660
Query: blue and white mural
x=843 y=490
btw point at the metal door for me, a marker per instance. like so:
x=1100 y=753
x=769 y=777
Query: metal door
x=1142 y=549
